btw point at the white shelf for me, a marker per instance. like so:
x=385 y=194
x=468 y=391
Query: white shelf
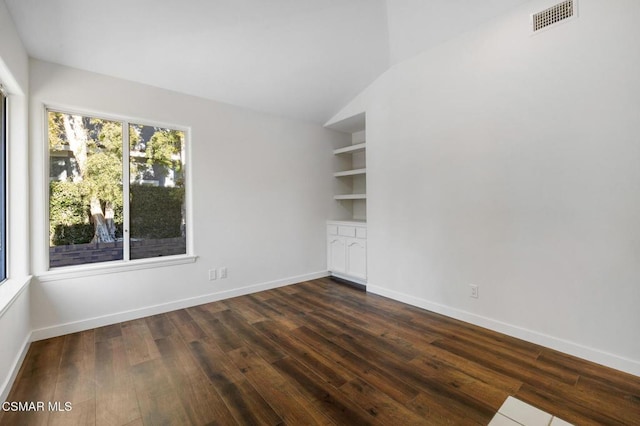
x=350 y=197
x=351 y=172
x=350 y=149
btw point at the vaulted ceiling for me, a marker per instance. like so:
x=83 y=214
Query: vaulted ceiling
x=302 y=59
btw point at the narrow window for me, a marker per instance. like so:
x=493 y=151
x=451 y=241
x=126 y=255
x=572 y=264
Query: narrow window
x=116 y=190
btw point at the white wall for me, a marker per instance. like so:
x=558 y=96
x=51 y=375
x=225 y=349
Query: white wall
x=417 y=25
x=261 y=193
x=512 y=162
x=15 y=324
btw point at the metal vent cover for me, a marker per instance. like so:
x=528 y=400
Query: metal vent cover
x=553 y=15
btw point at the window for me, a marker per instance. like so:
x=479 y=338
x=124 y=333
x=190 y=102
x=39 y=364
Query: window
x=3 y=185
x=116 y=190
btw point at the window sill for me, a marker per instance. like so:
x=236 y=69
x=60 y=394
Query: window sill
x=10 y=290
x=70 y=272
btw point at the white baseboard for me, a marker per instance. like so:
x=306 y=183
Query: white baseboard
x=595 y=355
x=89 y=323
x=15 y=368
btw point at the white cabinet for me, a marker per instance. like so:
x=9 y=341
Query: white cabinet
x=347 y=250
x=337 y=254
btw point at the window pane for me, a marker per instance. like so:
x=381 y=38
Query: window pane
x=157 y=192
x=85 y=190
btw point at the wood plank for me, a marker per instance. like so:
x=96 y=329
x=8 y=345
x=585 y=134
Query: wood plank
x=158 y=399
x=116 y=401
x=390 y=329
x=379 y=405
x=277 y=391
x=435 y=412
x=139 y=342
x=201 y=402
x=225 y=338
x=78 y=354
x=289 y=310
x=31 y=388
x=214 y=363
x=434 y=357
x=161 y=407
x=436 y=385
x=250 y=336
x=188 y=329
x=247 y=405
x=107 y=332
x=341 y=410
x=289 y=289
x=521 y=369
x=43 y=358
x=243 y=401
x=81 y=414
x=270 y=312
x=614 y=398
x=379 y=377
x=566 y=409
x=381 y=343
x=607 y=376
x=75 y=380
x=160 y=326
x=328 y=370
x=244 y=308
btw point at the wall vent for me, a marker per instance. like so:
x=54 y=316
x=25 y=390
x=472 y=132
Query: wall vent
x=553 y=15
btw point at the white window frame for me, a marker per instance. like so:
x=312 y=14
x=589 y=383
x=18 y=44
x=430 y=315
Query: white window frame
x=126 y=264
x=4 y=182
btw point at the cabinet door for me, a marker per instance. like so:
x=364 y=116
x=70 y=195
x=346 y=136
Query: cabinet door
x=337 y=254
x=357 y=258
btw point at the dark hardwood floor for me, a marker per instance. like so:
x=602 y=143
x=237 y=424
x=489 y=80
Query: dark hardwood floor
x=311 y=353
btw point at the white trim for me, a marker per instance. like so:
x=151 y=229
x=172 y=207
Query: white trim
x=46 y=237
x=65 y=109
x=92 y=269
x=4 y=145
x=595 y=355
x=73 y=327
x=188 y=194
x=5 y=388
x=126 y=188
x=10 y=290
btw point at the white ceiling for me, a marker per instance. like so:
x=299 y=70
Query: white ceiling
x=303 y=59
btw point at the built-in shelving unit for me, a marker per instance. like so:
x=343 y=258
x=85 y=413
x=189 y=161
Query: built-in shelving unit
x=347 y=231
x=350 y=170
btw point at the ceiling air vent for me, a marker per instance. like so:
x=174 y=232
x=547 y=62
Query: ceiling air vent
x=553 y=15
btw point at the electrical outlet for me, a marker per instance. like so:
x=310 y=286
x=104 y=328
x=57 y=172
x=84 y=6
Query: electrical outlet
x=213 y=274
x=474 y=291
x=223 y=272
